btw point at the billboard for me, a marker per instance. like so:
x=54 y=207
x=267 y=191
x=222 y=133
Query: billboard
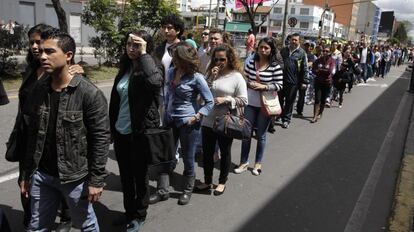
x=249 y=2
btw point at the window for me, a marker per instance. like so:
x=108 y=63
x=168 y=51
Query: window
x=50 y=16
x=27 y=13
x=304 y=11
x=277 y=10
x=292 y=11
x=75 y=28
x=277 y=23
x=304 y=25
x=263 y=30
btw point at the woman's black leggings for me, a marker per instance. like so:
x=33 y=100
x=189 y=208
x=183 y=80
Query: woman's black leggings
x=321 y=92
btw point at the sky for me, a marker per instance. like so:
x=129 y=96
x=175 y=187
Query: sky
x=403 y=9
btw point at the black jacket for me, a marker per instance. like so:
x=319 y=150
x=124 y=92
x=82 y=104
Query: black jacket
x=3 y=95
x=82 y=131
x=143 y=95
x=295 y=70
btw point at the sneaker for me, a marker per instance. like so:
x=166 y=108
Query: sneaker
x=257 y=169
x=340 y=106
x=285 y=125
x=242 y=168
x=328 y=104
x=135 y=225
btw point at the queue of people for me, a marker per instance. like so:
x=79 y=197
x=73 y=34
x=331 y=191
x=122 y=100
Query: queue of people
x=64 y=129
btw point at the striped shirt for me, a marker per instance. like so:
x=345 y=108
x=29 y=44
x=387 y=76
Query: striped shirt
x=272 y=76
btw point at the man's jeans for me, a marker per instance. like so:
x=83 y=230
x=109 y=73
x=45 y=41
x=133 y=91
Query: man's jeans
x=45 y=197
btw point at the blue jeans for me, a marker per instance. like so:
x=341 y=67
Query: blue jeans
x=261 y=122
x=45 y=197
x=188 y=136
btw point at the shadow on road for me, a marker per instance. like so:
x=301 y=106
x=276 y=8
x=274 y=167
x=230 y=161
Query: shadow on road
x=322 y=196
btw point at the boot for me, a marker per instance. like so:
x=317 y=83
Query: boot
x=315 y=113
x=162 y=193
x=188 y=189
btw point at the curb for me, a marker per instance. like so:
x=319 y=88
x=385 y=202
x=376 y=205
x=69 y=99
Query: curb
x=401 y=219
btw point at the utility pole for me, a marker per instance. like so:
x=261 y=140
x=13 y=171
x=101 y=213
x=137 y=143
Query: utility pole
x=217 y=13
x=225 y=15
x=285 y=21
x=209 y=16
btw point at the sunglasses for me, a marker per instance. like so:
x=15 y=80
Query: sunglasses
x=204 y=33
x=219 y=59
x=326 y=51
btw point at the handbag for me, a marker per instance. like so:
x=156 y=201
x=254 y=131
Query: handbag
x=233 y=126
x=160 y=145
x=15 y=145
x=269 y=100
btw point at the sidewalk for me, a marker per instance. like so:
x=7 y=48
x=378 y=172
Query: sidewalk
x=401 y=217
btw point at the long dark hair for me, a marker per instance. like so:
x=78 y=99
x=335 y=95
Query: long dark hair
x=273 y=59
x=232 y=59
x=39 y=29
x=124 y=62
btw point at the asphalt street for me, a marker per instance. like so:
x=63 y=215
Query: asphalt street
x=336 y=175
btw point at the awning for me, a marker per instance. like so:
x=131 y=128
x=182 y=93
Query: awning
x=237 y=27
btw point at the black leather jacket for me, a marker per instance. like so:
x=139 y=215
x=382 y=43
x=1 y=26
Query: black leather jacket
x=143 y=94
x=82 y=131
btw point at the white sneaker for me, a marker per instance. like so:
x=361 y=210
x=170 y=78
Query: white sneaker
x=241 y=168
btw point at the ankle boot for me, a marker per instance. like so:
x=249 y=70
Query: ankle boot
x=315 y=113
x=162 y=192
x=188 y=189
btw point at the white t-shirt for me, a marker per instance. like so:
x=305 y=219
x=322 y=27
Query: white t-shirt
x=166 y=60
x=364 y=54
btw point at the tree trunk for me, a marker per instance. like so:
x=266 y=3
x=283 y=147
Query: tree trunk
x=61 y=15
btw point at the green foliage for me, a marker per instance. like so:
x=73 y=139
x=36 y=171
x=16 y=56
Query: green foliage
x=10 y=44
x=401 y=33
x=113 y=21
x=394 y=41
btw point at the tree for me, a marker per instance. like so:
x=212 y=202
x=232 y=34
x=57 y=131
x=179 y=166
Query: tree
x=251 y=7
x=61 y=15
x=401 y=33
x=113 y=21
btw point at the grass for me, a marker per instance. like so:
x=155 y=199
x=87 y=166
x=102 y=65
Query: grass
x=94 y=73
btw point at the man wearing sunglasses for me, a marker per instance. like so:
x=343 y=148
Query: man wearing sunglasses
x=215 y=38
x=204 y=40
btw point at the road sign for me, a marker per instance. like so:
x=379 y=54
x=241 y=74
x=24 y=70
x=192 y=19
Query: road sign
x=292 y=21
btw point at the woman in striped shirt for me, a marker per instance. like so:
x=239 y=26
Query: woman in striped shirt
x=263 y=73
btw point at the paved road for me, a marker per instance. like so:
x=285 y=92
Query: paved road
x=336 y=175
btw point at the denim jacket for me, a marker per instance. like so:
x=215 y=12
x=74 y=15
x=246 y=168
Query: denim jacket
x=181 y=100
x=82 y=131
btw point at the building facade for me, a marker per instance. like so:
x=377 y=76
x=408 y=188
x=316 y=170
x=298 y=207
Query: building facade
x=32 y=12
x=368 y=20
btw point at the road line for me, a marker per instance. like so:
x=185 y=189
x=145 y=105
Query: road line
x=9 y=177
x=360 y=211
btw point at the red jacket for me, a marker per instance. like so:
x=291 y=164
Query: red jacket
x=324 y=69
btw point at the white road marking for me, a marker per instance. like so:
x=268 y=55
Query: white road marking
x=9 y=177
x=373 y=85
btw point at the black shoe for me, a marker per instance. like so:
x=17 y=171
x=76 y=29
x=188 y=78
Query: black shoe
x=218 y=193
x=285 y=125
x=156 y=197
x=299 y=114
x=271 y=129
x=184 y=199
